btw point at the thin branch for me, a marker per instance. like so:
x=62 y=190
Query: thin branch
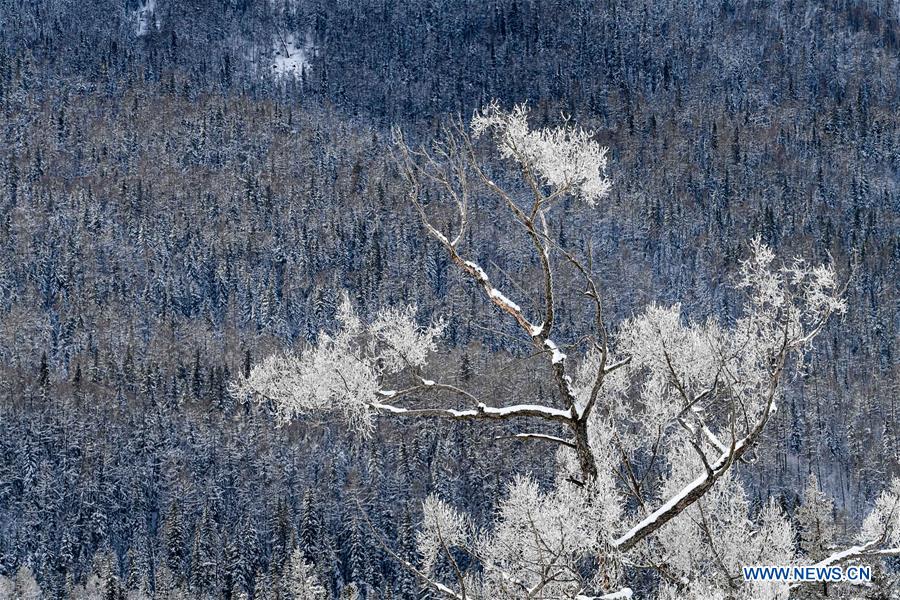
x=424 y=578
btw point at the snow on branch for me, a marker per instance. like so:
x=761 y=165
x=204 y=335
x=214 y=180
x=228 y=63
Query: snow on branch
x=623 y=594
x=482 y=411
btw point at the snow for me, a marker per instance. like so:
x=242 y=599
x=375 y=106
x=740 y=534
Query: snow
x=290 y=57
x=146 y=18
x=427 y=382
x=839 y=556
x=566 y=158
x=558 y=355
x=536 y=329
x=623 y=594
x=498 y=295
x=652 y=517
x=493 y=292
x=519 y=408
x=516 y=410
x=479 y=272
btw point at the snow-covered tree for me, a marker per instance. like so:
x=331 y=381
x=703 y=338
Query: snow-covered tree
x=815 y=520
x=648 y=421
x=301 y=582
x=102 y=581
x=21 y=586
x=351 y=592
x=204 y=580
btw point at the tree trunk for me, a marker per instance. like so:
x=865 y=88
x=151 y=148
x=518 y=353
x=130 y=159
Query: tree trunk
x=583 y=450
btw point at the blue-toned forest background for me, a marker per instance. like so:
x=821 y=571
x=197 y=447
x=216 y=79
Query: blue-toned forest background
x=171 y=211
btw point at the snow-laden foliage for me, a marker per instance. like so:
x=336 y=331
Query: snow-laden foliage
x=787 y=304
x=403 y=342
x=539 y=532
x=301 y=582
x=674 y=358
x=343 y=371
x=698 y=373
x=883 y=523
x=443 y=529
x=566 y=158
x=21 y=586
x=815 y=521
x=539 y=541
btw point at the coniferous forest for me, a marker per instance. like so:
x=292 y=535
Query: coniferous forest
x=187 y=188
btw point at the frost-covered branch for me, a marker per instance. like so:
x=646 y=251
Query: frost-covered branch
x=553 y=163
x=638 y=406
x=565 y=158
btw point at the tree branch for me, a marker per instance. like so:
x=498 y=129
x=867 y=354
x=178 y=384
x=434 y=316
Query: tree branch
x=538 y=437
x=481 y=411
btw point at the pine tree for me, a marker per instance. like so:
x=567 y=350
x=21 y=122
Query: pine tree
x=137 y=561
x=43 y=371
x=300 y=579
x=310 y=525
x=233 y=581
x=282 y=538
x=203 y=557
x=249 y=546
x=357 y=551
x=174 y=540
x=815 y=520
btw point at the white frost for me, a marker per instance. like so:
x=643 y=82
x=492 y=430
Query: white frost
x=566 y=158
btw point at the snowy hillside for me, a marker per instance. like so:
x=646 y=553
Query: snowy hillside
x=145 y=18
x=290 y=56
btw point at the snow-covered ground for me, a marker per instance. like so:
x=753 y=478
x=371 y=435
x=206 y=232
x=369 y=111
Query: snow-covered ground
x=145 y=17
x=290 y=56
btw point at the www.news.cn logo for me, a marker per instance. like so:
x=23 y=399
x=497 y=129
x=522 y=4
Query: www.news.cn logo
x=808 y=574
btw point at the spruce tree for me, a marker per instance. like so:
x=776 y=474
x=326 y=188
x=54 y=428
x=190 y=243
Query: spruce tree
x=815 y=520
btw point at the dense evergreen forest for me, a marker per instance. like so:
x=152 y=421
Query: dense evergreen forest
x=175 y=205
